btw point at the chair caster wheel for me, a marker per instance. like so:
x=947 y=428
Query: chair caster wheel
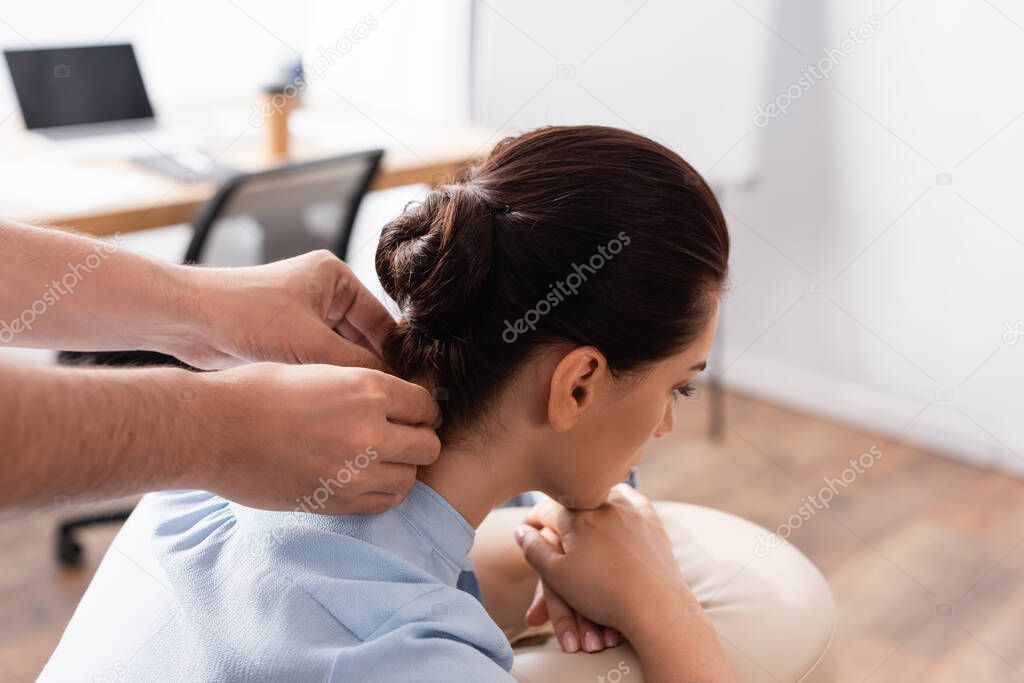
x=69 y=552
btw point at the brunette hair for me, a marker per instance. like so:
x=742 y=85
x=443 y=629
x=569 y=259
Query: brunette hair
x=586 y=234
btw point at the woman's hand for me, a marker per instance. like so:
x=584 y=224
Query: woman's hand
x=573 y=630
x=616 y=566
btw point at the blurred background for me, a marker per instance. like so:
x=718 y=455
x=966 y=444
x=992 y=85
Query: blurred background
x=864 y=154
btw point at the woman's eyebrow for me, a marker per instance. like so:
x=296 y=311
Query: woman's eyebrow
x=699 y=367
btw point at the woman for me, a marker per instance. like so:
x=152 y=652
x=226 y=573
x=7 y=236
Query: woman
x=556 y=301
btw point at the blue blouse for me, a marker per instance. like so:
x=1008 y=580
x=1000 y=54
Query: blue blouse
x=243 y=594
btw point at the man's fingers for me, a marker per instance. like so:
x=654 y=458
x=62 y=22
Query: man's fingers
x=410 y=445
x=350 y=332
x=353 y=303
x=366 y=504
x=331 y=348
x=390 y=479
x=410 y=403
x=381 y=486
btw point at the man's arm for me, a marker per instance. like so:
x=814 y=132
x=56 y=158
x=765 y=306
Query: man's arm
x=315 y=437
x=264 y=434
x=67 y=291
x=63 y=290
x=72 y=431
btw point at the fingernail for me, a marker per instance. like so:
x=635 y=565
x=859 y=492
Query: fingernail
x=569 y=642
x=611 y=637
x=520 y=533
x=591 y=643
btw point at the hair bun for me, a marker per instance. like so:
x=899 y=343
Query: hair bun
x=435 y=258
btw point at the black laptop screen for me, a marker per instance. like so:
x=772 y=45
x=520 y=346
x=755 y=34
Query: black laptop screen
x=68 y=86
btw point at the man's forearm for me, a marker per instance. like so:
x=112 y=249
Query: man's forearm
x=62 y=290
x=97 y=433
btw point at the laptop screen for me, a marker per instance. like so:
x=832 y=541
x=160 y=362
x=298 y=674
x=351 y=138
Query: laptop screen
x=68 y=86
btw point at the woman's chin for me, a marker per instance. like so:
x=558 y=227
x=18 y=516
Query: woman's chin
x=590 y=501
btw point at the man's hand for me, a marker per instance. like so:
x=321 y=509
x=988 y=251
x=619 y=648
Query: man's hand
x=319 y=438
x=306 y=309
x=265 y=434
x=316 y=437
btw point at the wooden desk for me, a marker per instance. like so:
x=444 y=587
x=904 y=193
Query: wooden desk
x=41 y=185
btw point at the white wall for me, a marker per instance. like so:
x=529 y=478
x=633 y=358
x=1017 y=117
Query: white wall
x=677 y=71
x=414 y=59
x=862 y=289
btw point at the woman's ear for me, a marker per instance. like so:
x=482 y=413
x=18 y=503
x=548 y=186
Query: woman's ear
x=573 y=386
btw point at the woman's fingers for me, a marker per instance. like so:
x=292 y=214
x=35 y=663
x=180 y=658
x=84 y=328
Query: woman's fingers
x=537 y=612
x=573 y=630
x=564 y=621
x=562 y=616
x=549 y=515
x=629 y=493
x=612 y=637
x=591 y=635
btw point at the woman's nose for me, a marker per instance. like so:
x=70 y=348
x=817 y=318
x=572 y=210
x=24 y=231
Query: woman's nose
x=667 y=421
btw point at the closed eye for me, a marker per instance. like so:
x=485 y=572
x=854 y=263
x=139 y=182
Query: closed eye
x=686 y=391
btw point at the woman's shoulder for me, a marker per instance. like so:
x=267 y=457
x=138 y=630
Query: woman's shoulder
x=361 y=569
x=198 y=532
x=360 y=585
x=179 y=596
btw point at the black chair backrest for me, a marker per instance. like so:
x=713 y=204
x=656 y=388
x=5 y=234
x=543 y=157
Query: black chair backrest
x=271 y=215
x=266 y=216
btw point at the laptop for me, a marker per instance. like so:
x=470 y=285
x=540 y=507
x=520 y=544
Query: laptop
x=93 y=102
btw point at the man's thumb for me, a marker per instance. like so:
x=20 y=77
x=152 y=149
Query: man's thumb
x=540 y=554
x=330 y=347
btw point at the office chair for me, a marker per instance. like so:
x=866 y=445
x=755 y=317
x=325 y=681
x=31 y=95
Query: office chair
x=253 y=218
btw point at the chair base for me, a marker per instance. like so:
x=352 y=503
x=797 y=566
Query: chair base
x=68 y=549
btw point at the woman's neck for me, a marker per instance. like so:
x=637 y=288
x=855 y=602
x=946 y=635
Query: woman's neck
x=475 y=479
